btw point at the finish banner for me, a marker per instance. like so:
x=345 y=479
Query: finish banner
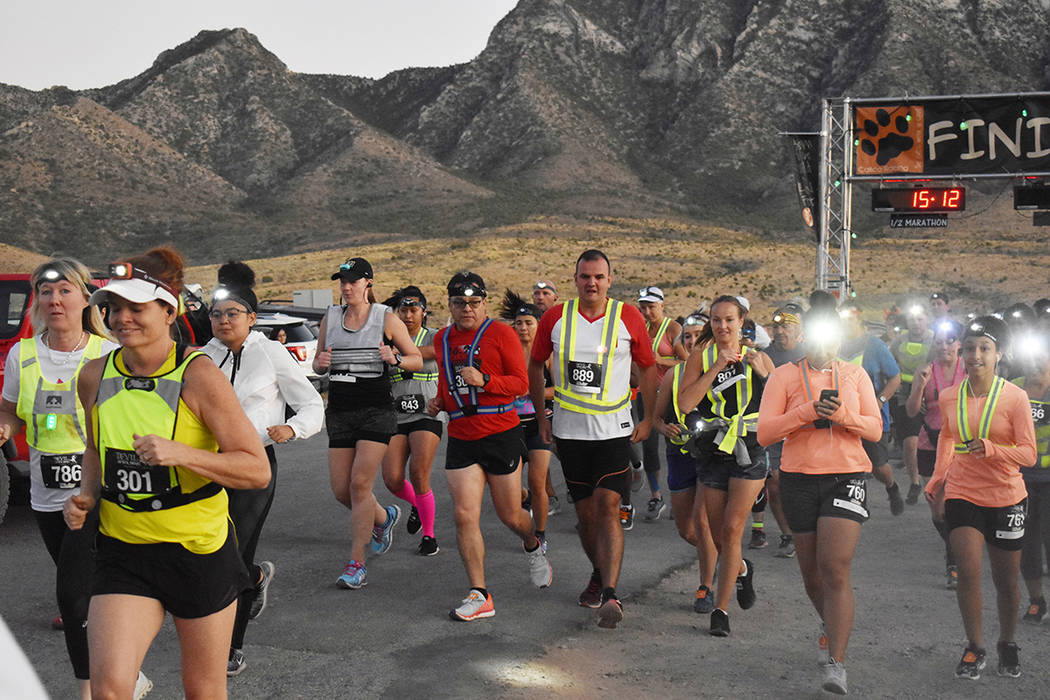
x=943 y=137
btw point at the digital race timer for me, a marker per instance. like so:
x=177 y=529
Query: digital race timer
x=926 y=199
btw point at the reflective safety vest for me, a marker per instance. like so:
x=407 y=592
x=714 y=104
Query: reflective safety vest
x=52 y=412
x=129 y=405
x=400 y=375
x=739 y=423
x=659 y=336
x=912 y=358
x=682 y=437
x=588 y=387
x=466 y=409
x=984 y=423
x=1041 y=418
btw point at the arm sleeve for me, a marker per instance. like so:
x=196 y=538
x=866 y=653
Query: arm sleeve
x=1023 y=452
x=514 y=380
x=297 y=392
x=641 y=347
x=867 y=421
x=775 y=420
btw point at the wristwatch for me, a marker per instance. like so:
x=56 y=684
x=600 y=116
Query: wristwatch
x=397 y=360
x=485 y=379
x=882 y=399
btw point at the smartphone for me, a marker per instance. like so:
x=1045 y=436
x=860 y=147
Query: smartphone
x=825 y=394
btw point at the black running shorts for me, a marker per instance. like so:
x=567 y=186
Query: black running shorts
x=716 y=468
x=347 y=426
x=878 y=452
x=806 y=498
x=430 y=425
x=496 y=454
x=1002 y=527
x=591 y=464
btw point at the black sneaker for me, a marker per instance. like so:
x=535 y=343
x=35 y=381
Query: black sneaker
x=1008 y=664
x=971 y=664
x=610 y=613
x=786 y=548
x=758 y=539
x=236 y=663
x=262 y=589
x=896 y=502
x=428 y=546
x=719 y=623
x=745 y=587
x=414 y=524
x=1036 y=610
x=913 y=494
x=705 y=600
x=592 y=594
x=951 y=577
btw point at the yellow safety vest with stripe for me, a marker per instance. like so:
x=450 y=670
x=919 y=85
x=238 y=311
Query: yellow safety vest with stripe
x=740 y=422
x=683 y=436
x=911 y=358
x=148 y=504
x=659 y=336
x=984 y=423
x=400 y=375
x=52 y=412
x=1041 y=418
x=574 y=372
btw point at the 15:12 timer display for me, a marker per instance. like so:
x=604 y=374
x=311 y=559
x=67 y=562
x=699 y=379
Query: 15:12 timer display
x=925 y=199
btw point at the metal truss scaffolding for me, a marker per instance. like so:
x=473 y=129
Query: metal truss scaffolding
x=836 y=197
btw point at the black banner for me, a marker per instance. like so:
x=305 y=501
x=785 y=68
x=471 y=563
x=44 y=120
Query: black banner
x=806 y=149
x=944 y=137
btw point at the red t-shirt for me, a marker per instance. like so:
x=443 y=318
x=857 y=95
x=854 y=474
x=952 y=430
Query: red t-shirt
x=501 y=358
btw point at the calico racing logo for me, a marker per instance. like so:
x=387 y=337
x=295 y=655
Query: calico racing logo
x=889 y=139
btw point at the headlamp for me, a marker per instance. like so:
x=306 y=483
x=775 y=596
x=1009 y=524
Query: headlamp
x=778 y=319
x=1033 y=345
x=409 y=303
x=944 y=327
x=915 y=310
x=50 y=275
x=694 y=321
x=823 y=333
x=220 y=294
x=540 y=285
x=126 y=271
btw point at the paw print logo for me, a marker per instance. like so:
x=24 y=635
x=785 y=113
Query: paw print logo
x=889 y=140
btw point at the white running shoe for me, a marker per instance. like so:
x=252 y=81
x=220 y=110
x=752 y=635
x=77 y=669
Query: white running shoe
x=540 y=570
x=474 y=607
x=142 y=686
x=834 y=677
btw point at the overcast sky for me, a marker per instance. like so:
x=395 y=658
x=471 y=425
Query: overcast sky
x=87 y=44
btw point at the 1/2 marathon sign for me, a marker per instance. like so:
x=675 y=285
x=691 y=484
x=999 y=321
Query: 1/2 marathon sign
x=918 y=221
x=948 y=136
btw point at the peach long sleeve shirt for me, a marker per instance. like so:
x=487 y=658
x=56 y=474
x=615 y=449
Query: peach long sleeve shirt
x=995 y=480
x=787 y=413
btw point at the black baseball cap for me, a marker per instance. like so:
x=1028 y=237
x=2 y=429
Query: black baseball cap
x=466 y=284
x=354 y=269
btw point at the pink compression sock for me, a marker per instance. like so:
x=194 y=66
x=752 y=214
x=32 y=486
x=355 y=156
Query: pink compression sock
x=407 y=493
x=427 y=511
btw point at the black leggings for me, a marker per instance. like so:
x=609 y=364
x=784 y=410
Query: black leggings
x=74 y=557
x=1036 y=532
x=248 y=510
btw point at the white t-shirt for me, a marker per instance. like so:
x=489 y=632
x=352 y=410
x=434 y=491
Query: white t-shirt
x=56 y=367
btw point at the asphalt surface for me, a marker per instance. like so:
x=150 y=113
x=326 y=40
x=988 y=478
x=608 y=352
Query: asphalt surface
x=393 y=638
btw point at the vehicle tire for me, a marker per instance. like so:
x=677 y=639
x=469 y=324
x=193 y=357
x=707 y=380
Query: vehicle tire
x=5 y=487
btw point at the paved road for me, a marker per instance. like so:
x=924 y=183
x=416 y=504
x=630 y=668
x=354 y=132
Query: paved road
x=393 y=638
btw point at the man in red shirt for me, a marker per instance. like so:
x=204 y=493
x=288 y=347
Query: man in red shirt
x=481 y=372
x=594 y=340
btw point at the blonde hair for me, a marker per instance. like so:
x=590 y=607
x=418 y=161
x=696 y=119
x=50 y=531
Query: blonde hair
x=74 y=272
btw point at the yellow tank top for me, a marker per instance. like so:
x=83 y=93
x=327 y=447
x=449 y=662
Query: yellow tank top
x=125 y=405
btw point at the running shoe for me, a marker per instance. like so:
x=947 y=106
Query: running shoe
x=896 y=502
x=822 y=648
x=542 y=537
x=786 y=548
x=745 y=587
x=474 y=607
x=142 y=686
x=971 y=664
x=1008 y=664
x=636 y=477
x=951 y=575
x=540 y=570
x=1036 y=610
x=383 y=535
x=236 y=664
x=526 y=503
x=913 y=494
x=758 y=539
x=834 y=677
x=654 y=509
x=414 y=524
x=428 y=546
x=592 y=594
x=626 y=516
x=262 y=589
x=354 y=576
x=705 y=600
x=553 y=505
x=719 y=623
x=610 y=613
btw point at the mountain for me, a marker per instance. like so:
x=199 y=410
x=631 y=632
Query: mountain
x=574 y=106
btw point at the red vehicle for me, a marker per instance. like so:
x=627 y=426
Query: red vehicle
x=15 y=296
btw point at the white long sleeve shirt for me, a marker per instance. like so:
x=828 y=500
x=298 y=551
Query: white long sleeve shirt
x=266 y=379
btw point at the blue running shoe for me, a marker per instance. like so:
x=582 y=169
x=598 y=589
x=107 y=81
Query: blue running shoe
x=383 y=535
x=354 y=576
